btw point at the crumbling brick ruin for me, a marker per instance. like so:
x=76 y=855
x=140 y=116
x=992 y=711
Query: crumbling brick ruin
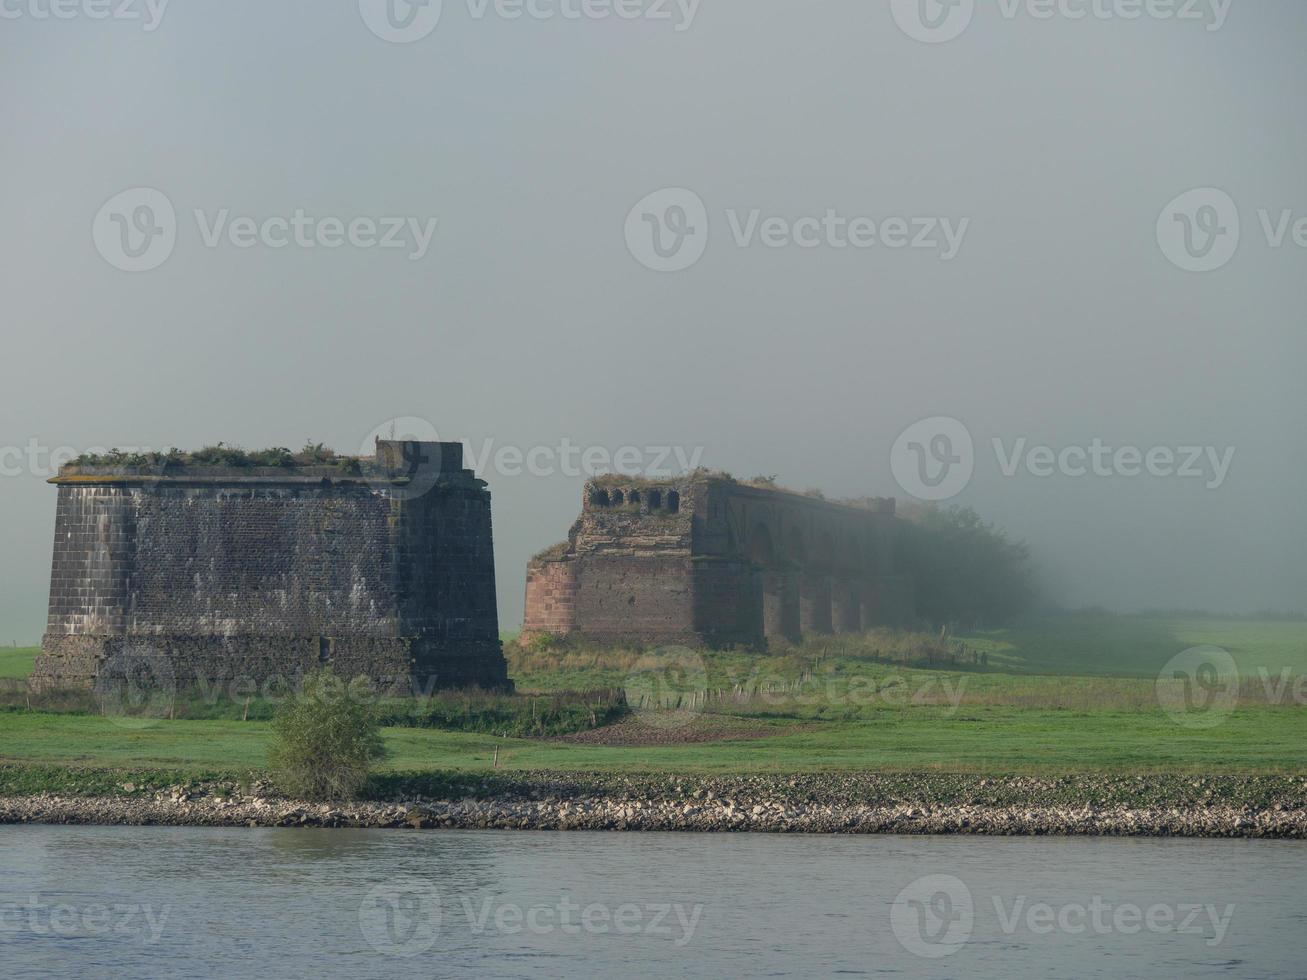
x=380 y=567
x=711 y=561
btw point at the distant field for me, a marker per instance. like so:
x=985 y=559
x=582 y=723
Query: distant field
x=1037 y=659
x=1137 y=646
x=17 y=663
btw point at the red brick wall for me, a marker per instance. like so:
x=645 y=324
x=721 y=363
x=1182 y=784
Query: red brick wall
x=550 y=598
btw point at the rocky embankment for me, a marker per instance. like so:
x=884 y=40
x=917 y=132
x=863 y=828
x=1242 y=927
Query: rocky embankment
x=838 y=803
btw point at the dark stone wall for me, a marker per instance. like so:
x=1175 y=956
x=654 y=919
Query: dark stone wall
x=230 y=573
x=445 y=584
x=727 y=602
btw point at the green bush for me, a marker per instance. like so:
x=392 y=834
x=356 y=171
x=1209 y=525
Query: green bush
x=326 y=738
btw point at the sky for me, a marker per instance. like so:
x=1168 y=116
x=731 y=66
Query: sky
x=1043 y=259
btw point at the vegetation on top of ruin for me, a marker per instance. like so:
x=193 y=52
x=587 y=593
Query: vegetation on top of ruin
x=703 y=474
x=639 y=482
x=221 y=454
x=553 y=551
x=768 y=482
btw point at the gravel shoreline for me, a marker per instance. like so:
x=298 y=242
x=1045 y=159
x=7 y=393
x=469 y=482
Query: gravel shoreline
x=851 y=805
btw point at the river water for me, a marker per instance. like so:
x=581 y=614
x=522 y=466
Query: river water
x=195 y=902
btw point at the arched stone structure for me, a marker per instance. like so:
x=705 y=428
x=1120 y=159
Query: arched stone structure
x=711 y=560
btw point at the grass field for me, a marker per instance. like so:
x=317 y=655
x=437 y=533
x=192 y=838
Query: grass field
x=977 y=740
x=16 y=663
x=1073 y=694
x=1137 y=646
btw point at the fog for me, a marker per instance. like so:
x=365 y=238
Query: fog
x=987 y=229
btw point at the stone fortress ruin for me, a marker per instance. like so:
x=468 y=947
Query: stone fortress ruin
x=221 y=566
x=245 y=567
x=710 y=561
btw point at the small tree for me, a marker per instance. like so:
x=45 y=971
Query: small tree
x=325 y=738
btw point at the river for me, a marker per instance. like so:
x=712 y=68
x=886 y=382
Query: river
x=199 y=902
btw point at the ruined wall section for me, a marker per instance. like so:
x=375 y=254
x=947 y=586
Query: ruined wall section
x=727 y=564
x=625 y=573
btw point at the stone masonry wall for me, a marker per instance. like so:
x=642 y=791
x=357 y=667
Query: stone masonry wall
x=220 y=574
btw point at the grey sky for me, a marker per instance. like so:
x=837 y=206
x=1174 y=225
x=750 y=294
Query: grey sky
x=527 y=321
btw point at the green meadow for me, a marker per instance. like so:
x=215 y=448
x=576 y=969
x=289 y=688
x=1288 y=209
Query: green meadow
x=16 y=662
x=1061 y=695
